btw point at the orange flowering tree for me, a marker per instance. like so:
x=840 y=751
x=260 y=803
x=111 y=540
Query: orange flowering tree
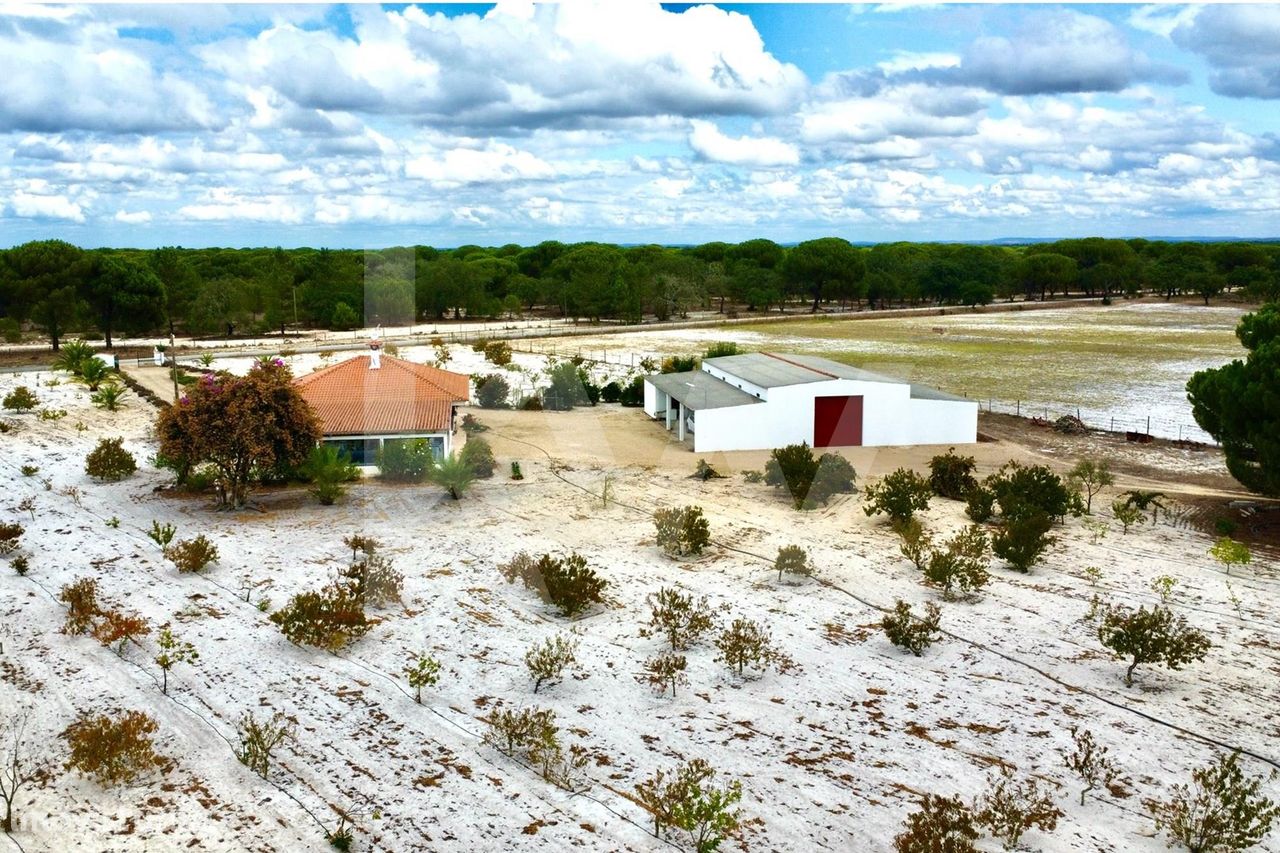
x=244 y=426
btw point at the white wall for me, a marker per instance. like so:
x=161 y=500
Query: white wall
x=737 y=382
x=890 y=417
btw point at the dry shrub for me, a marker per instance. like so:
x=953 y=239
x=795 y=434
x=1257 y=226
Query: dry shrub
x=116 y=630
x=375 y=580
x=81 y=598
x=568 y=583
x=192 y=555
x=1013 y=806
x=328 y=619
x=115 y=749
x=942 y=825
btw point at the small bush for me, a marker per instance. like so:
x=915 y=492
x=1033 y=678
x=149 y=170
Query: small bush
x=20 y=399
x=492 y=391
x=1090 y=762
x=328 y=619
x=1023 y=540
x=961 y=565
x=30 y=470
x=682 y=532
x=679 y=617
x=916 y=544
x=116 y=630
x=162 y=535
x=10 y=533
x=688 y=801
x=516 y=473
x=1126 y=513
x=753 y=476
x=172 y=652
x=192 y=555
x=110 y=461
x=1221 y=810
x=532 y=403
x=942 y=825
x=908 y=631
x=113 y=750
x=792 y=560
x=548 y=659
x=533 y=733
x=1091 y=475
x=407 y=461
x=374 y=580
x=259 y=740
x=329 y=470
x=633 y=393
x=109 y=396
x=1151 y=636
x=498 y=352
x=951 y=475
x=472 y=424
x=1013 y=806
x=81 y=598
x=567 y=583
x=1228 y=552
x=423 y=672
x=722 y=348
x=20 y=564
x=899 y=495
x=477 y=455
x=611 y=392
x=703 y=471
x=809 y=481
x=666 y=671
x=746 y=645
x=980 y=504
x=1023 y=490
x=453 y=474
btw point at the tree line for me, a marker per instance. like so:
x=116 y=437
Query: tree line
x=57 y=288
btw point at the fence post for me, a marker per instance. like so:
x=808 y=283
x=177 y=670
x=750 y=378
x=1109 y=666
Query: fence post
x=1017 y=408
x=1148 y=424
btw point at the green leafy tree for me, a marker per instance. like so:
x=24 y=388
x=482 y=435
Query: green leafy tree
x=1151 y=636
x=1091 y=475
x=1238 y=404
x=900 y=495
x=172 y=652
x=423 y=672
x=828 y=267
x=1221 y=811
x=1229 y=552
x=792 y=560
x=124 y=295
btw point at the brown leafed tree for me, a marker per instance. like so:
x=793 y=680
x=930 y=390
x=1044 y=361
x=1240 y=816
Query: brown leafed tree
x=242 y=425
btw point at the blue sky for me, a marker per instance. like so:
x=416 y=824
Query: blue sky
x=371 y=126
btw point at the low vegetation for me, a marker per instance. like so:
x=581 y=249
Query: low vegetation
x=809 y=481
x=115 y=748
x=908 y=631
x=899 y=495
x=110 y=461
x=1155 y=636
x=682 y=532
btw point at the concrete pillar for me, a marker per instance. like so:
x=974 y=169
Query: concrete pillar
x=666 y=407
x=680 y=417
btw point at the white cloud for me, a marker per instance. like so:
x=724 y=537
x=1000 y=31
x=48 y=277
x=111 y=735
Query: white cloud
x=31 y=206
x=1241 y=43
x=497 y=163
x=707 y=140
x=140 y=217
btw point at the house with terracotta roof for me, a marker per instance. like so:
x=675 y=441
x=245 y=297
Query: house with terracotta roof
x=370 y=400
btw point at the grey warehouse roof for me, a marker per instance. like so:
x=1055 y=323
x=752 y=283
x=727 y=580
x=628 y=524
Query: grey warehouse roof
x=768 y=370
x=697 y=389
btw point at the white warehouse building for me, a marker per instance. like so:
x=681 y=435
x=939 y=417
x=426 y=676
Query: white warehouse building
x=761 y=400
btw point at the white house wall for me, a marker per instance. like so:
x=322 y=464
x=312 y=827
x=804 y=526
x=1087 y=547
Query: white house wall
x=890 y=417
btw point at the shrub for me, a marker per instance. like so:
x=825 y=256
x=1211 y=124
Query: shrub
x=533 y=733
x=52 y=414
x=172 y=652
x=548 y=659
x=109 y=396
x=1221 y=810
x=10 y=533
x=192 y=555
x=908 y=631
x=961 y=565
x=161 y=535
x=1022 y=490
x=980 y=504
x=109 y=460
x=115 y=630
x=93 y=372
x=22 y=565
x=423 y=672
x=453 y=474
x=679 y=363
x=899 y=495
x=30 y=470
x=834 y=476
x=942 y=825
x=405 y=461
x=746 y=644
x=1012 y=807
x=532 y=403
x=361 y=544
x=666 y=671
x=1092 y=475
x=722 y=348
x=679 y=617
x=492 y=391
x=1151 y=636
x=568 y=584
x=516 y=473
x=792 y=466
x=753 y=476
x=259 y=739
x=20 y=399
x=328 y=619
x=498 y=352
x=916 y=544
x=793 y=560
x=81 y=598
x=567 y=388
x=1023 y=540
x=477 y=455
x=374 y=580
x=688 y=801
x=113 y=749
x=1229 y=552
x=1090 y=762
x=1125 y=513
x=611 y=392
x=951 y=475
x=472 y=424
x=683 y=531
x=703 y=471
x=328 y=469
x=633 y=393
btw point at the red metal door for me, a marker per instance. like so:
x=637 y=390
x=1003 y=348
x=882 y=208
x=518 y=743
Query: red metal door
x=837 y=421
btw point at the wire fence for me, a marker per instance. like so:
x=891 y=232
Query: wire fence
x=1128 y=424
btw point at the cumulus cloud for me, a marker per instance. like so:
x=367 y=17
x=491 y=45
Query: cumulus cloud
x=707 y=141
x=33 y=206
x=496 y=163
x=1241 y=43
x=517 y=65
x=139 y=217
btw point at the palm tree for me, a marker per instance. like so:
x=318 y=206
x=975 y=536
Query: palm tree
x=1144 y=501
x=452 y=474
x=93 y=372
x=108 y=396
x=73 y=356
x=328 y=468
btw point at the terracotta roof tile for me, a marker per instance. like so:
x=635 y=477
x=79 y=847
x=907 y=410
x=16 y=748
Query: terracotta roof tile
x=400 y=396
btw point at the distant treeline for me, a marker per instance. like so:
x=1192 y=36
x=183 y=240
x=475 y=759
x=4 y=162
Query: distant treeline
x=60 y=289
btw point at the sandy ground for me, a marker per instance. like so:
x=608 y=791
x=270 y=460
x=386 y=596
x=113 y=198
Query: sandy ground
x=831 y=755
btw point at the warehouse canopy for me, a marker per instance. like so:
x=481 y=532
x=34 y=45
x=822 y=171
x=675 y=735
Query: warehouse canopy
x=697 y=389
